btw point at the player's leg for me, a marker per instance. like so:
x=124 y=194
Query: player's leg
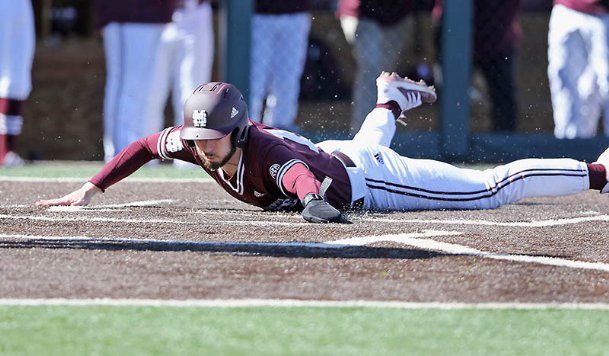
x=394 y=39
x=131 y=52
x=400 y=183
x=264 y=30
x=599 y=58
x=194 y=55
x=368 y=52
x=567 y=61
x=288 y=64
x=17 y=43
x=499 y=76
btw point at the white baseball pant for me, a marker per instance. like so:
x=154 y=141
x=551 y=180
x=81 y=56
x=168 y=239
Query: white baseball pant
x=17 y=44
x=388 y=181
x=146 y=61
x=578 y=71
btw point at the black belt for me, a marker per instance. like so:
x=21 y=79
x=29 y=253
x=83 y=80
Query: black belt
x=346 y=161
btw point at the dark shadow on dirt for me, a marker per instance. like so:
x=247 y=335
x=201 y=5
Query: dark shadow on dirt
x=245 y=249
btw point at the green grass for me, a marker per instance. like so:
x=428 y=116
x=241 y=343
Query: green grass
x=106 y=330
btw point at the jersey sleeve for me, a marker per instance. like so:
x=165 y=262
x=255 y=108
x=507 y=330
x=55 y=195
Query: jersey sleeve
x=169 y=145
x=300 y=181
x=161 y=145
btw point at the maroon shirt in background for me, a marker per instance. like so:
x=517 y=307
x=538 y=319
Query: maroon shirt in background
x=266 y=156
x=596 y=7
x=278 y=7
x=135 y=11
x=385 y=12
x=496 y=26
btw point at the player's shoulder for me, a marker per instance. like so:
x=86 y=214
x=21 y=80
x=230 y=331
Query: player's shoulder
x=260 y=136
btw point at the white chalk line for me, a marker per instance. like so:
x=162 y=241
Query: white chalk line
x=419 y=240
x=455 y=249
x=294 y=303
x=174 y=243
x=100 y=208
x=538 y=223
x=367 y=240
x=142 y=203
x=91 y=219
x=151 y=221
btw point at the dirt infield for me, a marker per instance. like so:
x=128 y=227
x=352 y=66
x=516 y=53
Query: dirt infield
x=192 y=240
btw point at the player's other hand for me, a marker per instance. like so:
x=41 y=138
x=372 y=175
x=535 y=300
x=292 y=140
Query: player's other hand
x=317 y=210
x=79 y=197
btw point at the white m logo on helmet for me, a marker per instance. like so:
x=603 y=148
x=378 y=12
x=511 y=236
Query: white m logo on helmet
x=199 y=118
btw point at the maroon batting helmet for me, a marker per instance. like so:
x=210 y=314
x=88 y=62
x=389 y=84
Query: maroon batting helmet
x=213 y=111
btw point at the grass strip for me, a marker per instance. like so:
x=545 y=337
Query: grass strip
x=111 y=330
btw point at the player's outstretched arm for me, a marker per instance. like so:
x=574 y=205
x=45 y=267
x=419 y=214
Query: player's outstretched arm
x=79 y=197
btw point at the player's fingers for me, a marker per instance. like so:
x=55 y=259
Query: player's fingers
x=52 y=202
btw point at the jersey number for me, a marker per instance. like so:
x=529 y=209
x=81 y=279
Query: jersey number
x=294 y=137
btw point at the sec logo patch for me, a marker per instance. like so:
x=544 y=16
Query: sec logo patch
x=173 y=143
x=273 y=170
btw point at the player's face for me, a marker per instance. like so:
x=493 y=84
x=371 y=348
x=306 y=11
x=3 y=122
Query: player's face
x=215 y=153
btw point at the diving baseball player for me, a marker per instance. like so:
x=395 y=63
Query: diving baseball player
x=276 y=169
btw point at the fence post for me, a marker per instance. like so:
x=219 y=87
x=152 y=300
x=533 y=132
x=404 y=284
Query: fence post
x=235 y=39
x=456 y=73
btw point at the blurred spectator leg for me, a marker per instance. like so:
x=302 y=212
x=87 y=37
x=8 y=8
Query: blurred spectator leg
x=135 y=91
x=368 y=50
x=600 y=63
x=566 y=63
x=264 y=30
x=288 y=64
x=567 y=67
x=376 y=49
x=17 y=45
x=193 y=58
x=499 y=76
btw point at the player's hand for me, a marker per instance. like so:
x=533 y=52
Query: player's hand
x=317 y=210
x=79 y=197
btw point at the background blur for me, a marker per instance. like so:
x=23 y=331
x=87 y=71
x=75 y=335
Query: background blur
x=63 y=116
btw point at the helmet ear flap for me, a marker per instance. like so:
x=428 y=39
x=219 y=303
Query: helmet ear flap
x=241 y=135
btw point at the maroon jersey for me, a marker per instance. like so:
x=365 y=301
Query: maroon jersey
x=278 y=7
x=385 y=12
x=135 y=11
x=596 y=7
x=266 y=157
